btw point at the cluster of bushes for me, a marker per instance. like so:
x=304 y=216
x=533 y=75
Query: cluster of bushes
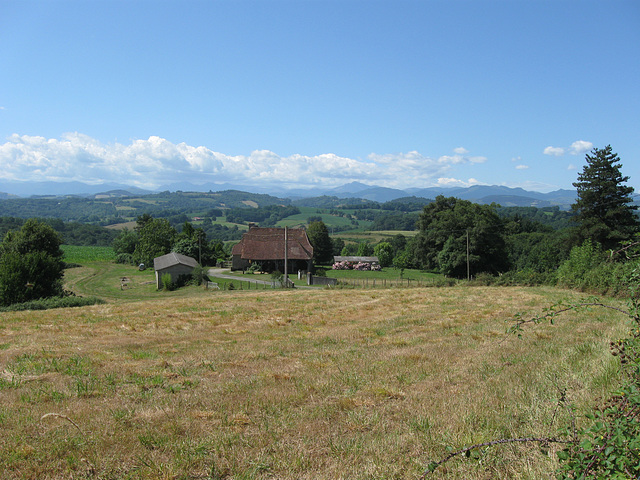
x=363 y=266
x=589 y=269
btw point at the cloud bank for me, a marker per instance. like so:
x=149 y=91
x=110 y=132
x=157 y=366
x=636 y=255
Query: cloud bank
x=156 y=161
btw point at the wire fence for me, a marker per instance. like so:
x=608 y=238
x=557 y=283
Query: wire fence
x=392 y=283
x=364 y=283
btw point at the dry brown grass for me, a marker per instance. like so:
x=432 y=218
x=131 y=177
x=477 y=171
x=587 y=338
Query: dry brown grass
x=357 y=384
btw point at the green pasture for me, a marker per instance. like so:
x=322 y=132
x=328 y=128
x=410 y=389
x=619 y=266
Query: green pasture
x=372 y=237
x=99 y=276
x=329 y=220
x=76 y=254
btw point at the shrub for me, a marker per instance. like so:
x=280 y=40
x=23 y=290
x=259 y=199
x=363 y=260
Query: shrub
x=577 y=270
x=167 y=284
x=125 y=259
x=526 y=277
x=199 y=276
x=484 y=278
x=254 y=267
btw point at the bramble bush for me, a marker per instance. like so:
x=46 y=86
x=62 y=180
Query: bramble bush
x=608 y=446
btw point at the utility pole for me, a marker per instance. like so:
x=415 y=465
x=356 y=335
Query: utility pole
x=286 y=258
x=468 y=268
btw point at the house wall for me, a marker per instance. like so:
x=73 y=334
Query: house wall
x=238 y=263
x=175 y=271
x=271 y=265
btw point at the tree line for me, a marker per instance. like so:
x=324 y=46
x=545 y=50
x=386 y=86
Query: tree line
x=462 y=239
x=154 y=237
x=455 y=237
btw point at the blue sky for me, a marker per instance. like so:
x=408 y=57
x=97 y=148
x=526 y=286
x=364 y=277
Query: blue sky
x=318 y=93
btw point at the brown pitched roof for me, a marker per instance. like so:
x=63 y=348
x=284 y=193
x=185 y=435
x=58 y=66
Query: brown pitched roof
x=268 y=244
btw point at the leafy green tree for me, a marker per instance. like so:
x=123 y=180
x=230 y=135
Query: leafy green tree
x=447 y=226
x=537 y=251
x=156 y=238
x=349 y=250
x=384 y=252
x=188 y=230
x=398 y=242
x=364 y=249
x=125 y=242
x=217 y=250
x=193 y=243
x=338 y=245
x=31 y=265
x=402 y=261
x=604 y=209
x=320 y=240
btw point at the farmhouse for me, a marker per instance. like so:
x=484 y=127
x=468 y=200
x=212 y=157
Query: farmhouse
x=266 y=247
x=175 y=265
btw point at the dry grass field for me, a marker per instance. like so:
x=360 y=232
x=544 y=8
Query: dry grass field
x=329 y=384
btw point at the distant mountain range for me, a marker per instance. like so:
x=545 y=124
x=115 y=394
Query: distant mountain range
x=31 y=189
x=504 y=196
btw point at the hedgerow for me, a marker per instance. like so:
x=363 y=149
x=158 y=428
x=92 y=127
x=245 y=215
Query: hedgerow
x=53 y=302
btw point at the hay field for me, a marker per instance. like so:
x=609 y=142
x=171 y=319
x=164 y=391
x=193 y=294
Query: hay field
x=330 y=384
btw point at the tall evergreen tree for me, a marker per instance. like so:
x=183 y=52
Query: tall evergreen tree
x=604 y=209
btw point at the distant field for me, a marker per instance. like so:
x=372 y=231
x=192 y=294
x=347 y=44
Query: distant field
x=321 y=384
x=373 y=237
x=328 y=219
x=122 y=226
x=76 y=254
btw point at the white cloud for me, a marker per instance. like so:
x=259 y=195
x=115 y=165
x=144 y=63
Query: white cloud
x=452 y=159
x=555 y=151
x=572 y=167
x=580 y=147
x=477 y=159
x=454 y=182
x=460 y=151
x=522 y=167
x=155 y=162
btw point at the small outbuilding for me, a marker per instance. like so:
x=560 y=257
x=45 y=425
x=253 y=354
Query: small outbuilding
x=174 y=264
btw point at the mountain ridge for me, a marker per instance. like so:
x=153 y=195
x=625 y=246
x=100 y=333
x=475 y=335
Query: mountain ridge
x=505 y=196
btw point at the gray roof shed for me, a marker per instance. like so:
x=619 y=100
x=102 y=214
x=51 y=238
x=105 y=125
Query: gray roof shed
x=172 y=259
x=174 y=264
